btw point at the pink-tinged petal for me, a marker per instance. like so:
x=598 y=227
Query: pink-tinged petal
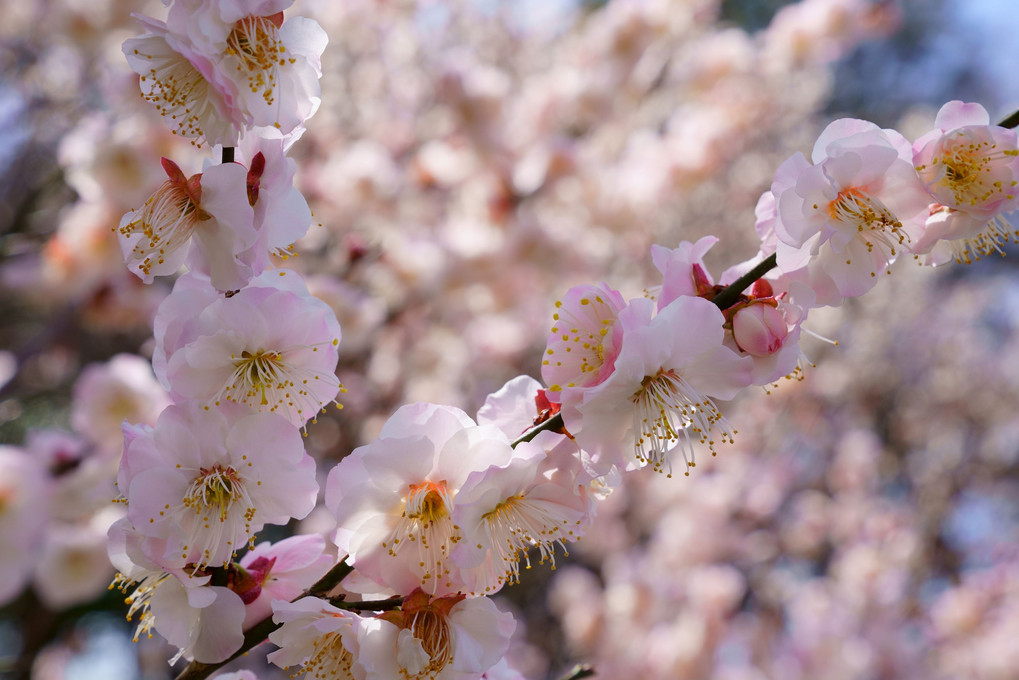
x=512 y=407
x=720 y=373
x=836 y=131
x=437 y=421
x=956 y=114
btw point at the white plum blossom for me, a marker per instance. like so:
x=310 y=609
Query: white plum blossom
x=208 y=212
x=445 y=638
x=855 y=208
x=507 y=510
x=659 y=397
x=394 y=498
x=73 y=567
x=202 y=620
x=320 y=638
x=273 y=65
x=971 y=170
x=205 y=480
x=271 y=347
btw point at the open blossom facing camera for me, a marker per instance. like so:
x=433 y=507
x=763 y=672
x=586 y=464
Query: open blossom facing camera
x=271 y=347
x=855 y=209
x=205 y=480
x=971 y=170
x=394 y=499
x=659 y=397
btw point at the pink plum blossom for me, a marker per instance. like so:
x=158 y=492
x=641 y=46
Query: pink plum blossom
x=271 y=347
x=273 y=64
x=970 y=168
x=855 y=209
x=394 y=499
x=584 y=341
x=205 y=480
x=658 y=397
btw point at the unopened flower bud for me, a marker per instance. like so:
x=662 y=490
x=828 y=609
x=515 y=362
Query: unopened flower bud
x=759 y=329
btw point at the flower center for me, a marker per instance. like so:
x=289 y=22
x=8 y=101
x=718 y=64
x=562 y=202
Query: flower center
x=178 y=91
x=256 y=44
x=210 y=525
x=518 y=524
x=970 y=168
x=329 y=658
x=668 y=412
x=433 y=630
x=872 y=221
x=426 y=530
x=279 y=381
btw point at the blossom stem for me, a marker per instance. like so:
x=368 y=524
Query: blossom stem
x=579 y=671
x=369 y=605
x=728 y=296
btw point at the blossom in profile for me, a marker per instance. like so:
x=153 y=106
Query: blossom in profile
x=273 y=64
x=196 y=100
x=660 y=396
x=321 y=639
x=205 y=480
x=271 y=347
x=584 y=340
x=855 y=209
x=208 y=211
x=970 y=169
x=394 y=499
x=203 y=621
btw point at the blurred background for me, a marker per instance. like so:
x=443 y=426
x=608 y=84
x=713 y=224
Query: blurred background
x=470 y=162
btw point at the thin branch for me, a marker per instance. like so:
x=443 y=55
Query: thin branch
x=728 y=295
x=1010 y=121
x=553 y=423
x=228 y=154
x=579 y=671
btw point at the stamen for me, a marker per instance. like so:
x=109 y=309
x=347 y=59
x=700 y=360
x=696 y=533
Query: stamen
x=427 y=528
x=667 y=413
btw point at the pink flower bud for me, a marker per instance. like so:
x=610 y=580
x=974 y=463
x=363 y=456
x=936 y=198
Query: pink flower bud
x=759 y=329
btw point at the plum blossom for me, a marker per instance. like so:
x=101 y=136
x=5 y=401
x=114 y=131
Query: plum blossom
x=205 y=480
x=855 y=209
x=658 y=397
x=507 y=510
x=442 y=638
x=202 y=620
x=272 y=64
x=197 y=100
x=584 y=340
x=320 y=638
x=394 y=499
x=271 y=347
x=970 y=168
x=208 y=211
